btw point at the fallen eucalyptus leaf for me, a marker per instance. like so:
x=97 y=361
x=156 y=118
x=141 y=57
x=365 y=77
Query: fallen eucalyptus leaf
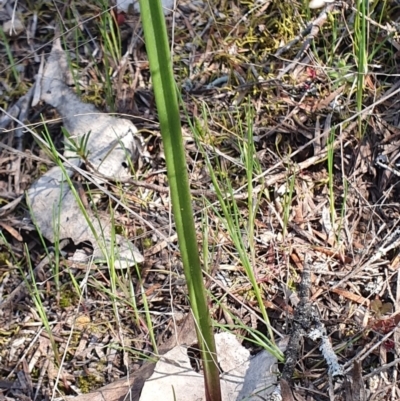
x=110 y=144
x=57 y=214
x=244 y=378
x=106 y=144
x=133 y=5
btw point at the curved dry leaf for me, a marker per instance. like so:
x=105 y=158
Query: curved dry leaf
x=57 y=214
x=133 y=5
x=244 y=377
x=109 y=144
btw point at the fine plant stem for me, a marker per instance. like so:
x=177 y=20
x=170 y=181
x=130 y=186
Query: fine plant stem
x=331 y=176
x=287 y=202
x=147 y=315
x=5 y=43
x=78 y=37
x=52 y=151
x=249 y=155
x=205 y=250
x=343 y=208
x=232 y=220
x=111 y=44
x=156 y=38
x=39 y=307
x=56 y=261
x=361 y=37
x=254 y=336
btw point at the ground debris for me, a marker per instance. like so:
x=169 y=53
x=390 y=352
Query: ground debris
x=316 y=190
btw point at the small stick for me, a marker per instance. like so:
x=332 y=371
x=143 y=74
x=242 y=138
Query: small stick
x=311 y=30
x=301 y=323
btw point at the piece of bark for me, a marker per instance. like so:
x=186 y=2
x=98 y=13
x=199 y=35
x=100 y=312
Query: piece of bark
x=354 y=384
x=131 y=388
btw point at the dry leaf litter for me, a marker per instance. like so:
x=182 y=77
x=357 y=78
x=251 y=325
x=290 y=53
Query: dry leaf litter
x=227 y=55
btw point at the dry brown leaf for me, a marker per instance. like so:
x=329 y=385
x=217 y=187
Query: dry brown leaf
x=12 y=231
x=349 y=295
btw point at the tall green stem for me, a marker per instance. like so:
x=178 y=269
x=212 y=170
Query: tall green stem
x=156 y=39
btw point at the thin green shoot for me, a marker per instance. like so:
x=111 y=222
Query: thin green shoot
x=39 y=307
x=254 y=336
x=57 y=252
x=361 y=45
x=233 y=223
x=110 y=33
x=49 y=254
x=140 y=356
x=110 y=258
x=165 y=91
x=67 y=177
x=73 y=281
x=115 y=280
x=78 y=39
x=5 y=43
x=287 y=202
x=206 y=252
x=118 y=293
x=111 y=44
x=78 y=146
x=381 y=7
x=249 y=161
x=344 y=203
x=332 y=49
x=330 y=161
x=132 y=300
x=147 y=313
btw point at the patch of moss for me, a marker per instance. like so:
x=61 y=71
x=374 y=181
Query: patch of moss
x=139 y=231
x=119 y=229
x=147 y=243
x=4 y=257
x=43 y=168
x=89 y=383
x=68 y=297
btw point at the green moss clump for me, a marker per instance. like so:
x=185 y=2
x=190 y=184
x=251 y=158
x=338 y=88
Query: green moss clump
x=4 y=258
x=139 y=231
x=147 y=243
x=89 y=383
x=68 y=297
x=119 y=230
x=43 y=168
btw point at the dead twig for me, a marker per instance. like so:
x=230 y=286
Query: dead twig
x=311 y=30
x=301 y=323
